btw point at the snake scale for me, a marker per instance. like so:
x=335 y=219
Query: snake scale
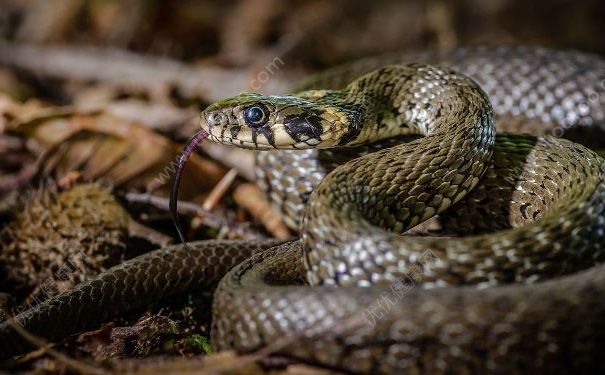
x=510 y=282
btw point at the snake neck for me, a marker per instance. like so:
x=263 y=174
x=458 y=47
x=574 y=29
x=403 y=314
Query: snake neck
x=394 y=189
x=398 y=100
x=449 y=110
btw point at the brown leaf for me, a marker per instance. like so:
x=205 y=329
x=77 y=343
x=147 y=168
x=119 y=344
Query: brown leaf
x=107 y=147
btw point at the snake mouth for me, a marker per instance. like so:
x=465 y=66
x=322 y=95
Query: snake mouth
x=238 y=142
x=271 y=136
x=311 y=143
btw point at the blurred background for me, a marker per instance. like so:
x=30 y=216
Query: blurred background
x=97 y=97
x=305 y=35
x=316 y=32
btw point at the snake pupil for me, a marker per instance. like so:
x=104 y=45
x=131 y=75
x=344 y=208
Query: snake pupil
x=255 y=116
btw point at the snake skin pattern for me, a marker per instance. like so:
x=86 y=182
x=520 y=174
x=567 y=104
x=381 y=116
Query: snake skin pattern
x=532 y=90
x=133 y=284
x=532 y=208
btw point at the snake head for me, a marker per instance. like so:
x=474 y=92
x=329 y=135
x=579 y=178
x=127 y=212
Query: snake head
x=265 y=122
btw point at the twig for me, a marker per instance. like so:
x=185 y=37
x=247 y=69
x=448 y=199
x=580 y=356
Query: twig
x=137 y=229
x=254 y=201
x=210 y=219
x=219 y=190
x=131 y=70
x=185 y=208
x=160 y=117
x=42 y=344
x=214 y=198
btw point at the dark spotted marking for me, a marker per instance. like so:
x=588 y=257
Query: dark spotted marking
x=265 y=131
x=355 y=116
x=235 y=131
x=223 y=130
x=303 y=127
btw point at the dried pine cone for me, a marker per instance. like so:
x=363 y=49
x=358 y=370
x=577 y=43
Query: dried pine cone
x=59 y=239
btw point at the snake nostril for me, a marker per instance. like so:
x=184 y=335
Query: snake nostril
x=216 y=119
x=210 y=119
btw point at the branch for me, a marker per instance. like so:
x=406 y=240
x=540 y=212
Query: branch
x=131 y=70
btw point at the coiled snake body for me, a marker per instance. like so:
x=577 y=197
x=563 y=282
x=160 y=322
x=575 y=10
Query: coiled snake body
x=511 y=283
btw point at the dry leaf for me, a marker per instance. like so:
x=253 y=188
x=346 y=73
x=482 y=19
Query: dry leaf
x=107 y=147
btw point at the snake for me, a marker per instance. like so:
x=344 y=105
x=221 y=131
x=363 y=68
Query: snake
x=451 y=209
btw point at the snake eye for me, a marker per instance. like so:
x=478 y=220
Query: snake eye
x=256 y=116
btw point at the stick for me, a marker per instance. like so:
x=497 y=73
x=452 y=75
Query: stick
x=131 y=70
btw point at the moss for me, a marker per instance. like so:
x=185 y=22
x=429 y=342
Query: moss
x=199 y=343
x=58 y=239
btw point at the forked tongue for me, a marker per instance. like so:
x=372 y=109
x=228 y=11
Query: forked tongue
x=189 y=149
